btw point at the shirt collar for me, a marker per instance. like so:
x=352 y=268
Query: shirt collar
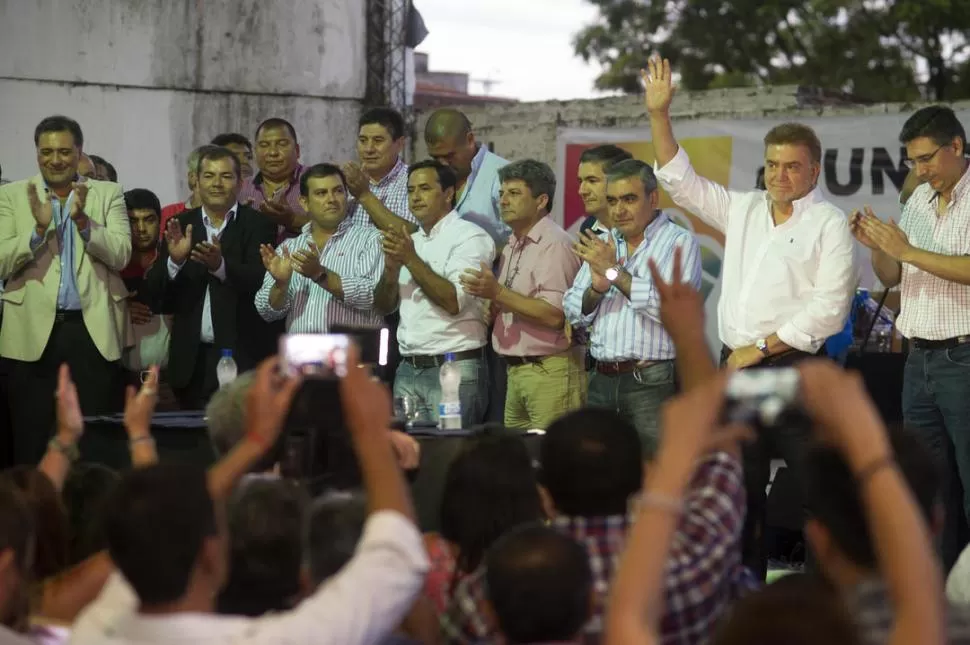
x=958 y=190
x=436 y=229
x=229 y=216
x=803 y=204
x=345 y=224
x=392 y=174
x=535 y=233
x=294 y=179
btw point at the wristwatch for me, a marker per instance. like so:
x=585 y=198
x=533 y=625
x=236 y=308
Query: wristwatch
x=613 y=272
x=762 y=346
x=323 y=276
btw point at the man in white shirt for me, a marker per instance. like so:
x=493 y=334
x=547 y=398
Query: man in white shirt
x=166 y=531
x=928 y=255
x=788 y=273
x=422 y=276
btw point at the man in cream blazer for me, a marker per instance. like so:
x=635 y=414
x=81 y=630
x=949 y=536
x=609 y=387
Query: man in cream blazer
x=63 y=241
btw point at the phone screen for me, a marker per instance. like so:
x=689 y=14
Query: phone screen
x=315 y=356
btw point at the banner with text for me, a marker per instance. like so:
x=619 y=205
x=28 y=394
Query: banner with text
x=862 y=164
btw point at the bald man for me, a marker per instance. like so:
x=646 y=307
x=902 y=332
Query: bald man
x=450 y=140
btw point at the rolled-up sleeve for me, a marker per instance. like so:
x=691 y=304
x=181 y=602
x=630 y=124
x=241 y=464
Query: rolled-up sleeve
x=644 y=297
x=705 y=198
x=572 y=302
x=470 y=253
x=825 y=313
x=359 y=285
x=555 y=274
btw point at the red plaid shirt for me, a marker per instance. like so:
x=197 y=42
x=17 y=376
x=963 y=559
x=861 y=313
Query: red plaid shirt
x=704 y=571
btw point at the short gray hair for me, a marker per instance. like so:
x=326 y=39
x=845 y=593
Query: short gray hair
x=226 y=413
x=633 y=168
x=538 y=176
x=193 y=163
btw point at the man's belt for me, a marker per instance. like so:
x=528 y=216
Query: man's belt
x=64 y=315
x=621 y=367
x=515 y=361
x=946 y=343
x=437 y=360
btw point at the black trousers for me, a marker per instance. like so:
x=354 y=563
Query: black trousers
x=788 y=443
x=204 y=383
x=32 y=385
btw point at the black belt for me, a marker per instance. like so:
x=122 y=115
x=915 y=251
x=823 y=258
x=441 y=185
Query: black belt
x=612 y=368
x=436 y=360
x=946 y=343
x=65 y=315
x=515 y=361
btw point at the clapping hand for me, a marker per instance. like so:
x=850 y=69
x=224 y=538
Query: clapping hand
x=481 y=283
x=179 y=244
x=357 y=181
x=41 y=209
x=306 y=262
x=78 y=202
x=278 y=211
x=209 y=254
x=398 y=247
x=888 y=238
x=279 y=265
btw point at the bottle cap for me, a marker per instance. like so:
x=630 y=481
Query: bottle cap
x=227 y=353
x=449 y=357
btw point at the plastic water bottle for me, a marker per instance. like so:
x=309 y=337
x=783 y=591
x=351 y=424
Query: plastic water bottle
x=226 y=370
x=449 y=410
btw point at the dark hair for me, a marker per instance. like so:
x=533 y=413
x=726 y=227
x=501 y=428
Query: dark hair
x=156 y=523
x=832 y=492
x=389 y=118
x=446 y=176
x=606 y=154
x=630 y=168
x=490 y=487
x=17 y=525
x=936 y=122
x=318 y=171
x=101 y=161
x=52 y=537
x=265 y=547
x=87 y=490
x=538 y=176
x=798 y=609
x=276 y=122
x=591 y=463
x=59 y=124
x=334 y=526
x=215 y=153
x=227 y=139
x=539 y=584
x=796 y=134
x=142 y=198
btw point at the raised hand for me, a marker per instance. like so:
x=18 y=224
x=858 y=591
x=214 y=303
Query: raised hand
x=658 y=85
x=179 y=244
x=598 y=254
x=307 y=262
x=268 y=402
x=357 y=182
x=277 y=264
x=858 y=232
x=209 y=254
x=889 y=238
x=78 y=202
x=398 y=247
x=70 y=421
x=140 y=405
x=40 y=207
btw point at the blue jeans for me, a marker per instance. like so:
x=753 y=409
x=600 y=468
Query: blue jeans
x=637 y=397
x=424 y=387
x=936 y=406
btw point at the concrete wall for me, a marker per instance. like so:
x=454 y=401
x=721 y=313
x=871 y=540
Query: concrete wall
x=151 y=79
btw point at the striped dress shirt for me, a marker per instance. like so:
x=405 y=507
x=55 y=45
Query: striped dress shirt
x=392 y=190
x=629 y=329
x=354 y=253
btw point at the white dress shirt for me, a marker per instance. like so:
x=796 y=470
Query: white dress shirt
x=933 y=308
x=360 y=605
x=208 y=334
x=452 y=246
x=796 y=279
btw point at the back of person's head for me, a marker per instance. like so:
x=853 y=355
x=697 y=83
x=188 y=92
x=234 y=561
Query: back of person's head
x=795 y=610
x=16 y=539
x=490 y=488
x=159 y=521
x=87 y=489
x=110 y=174
x=225 y=418
x=591 y=463
x=50 y=519
x=832 y=494
x=265 y=547
x=539 y=585
x=335 y=523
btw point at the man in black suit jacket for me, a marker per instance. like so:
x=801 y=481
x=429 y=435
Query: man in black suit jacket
x=207 y=275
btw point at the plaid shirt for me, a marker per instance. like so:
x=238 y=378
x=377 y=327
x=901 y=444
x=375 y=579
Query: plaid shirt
x=252 y=193
x=704 y=571
x=392 y=190
x=872 y=610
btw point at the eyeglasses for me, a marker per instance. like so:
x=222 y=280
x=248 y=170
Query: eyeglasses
x=924 y=159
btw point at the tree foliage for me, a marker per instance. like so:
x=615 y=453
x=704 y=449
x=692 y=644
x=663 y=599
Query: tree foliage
x=882 y=50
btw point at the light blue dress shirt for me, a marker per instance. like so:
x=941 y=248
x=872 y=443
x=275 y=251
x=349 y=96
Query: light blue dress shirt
x=478 y=202
x=68 y=296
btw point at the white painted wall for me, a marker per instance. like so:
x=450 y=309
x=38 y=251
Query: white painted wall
x=149 y=80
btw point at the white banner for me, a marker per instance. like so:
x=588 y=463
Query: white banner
x=862 y=164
